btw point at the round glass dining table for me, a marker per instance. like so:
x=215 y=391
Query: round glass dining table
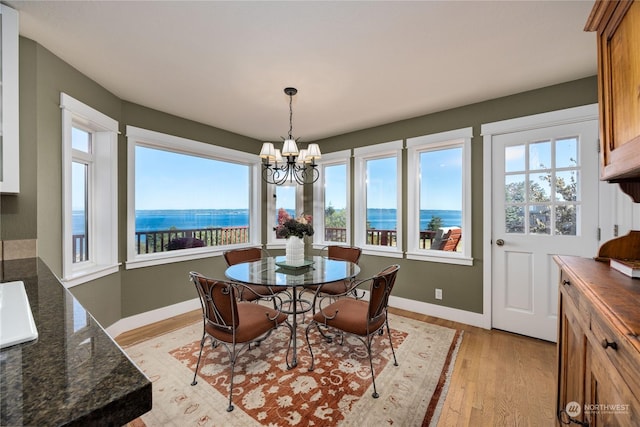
x=273 y=272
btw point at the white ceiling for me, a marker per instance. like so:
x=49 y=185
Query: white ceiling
x=356 y=64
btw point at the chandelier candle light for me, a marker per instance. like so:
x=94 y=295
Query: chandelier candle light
x=289 y=164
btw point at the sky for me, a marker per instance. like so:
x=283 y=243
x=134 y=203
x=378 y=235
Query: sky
x=166 y=180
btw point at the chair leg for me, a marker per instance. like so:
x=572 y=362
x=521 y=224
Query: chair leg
x=195 y=374
x=233 y=364
x=373 y=375
x=309 y=343
x=395 y=361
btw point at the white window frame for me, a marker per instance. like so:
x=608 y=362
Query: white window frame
x=102 y=188
x=331 y=159
x=416 y=146
x=156 y=140
x=361 y=156
x=272 y=241
x=9 y=118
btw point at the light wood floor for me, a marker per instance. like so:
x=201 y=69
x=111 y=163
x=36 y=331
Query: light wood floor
x=499 y=379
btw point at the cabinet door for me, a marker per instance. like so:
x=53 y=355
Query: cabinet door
x=619 y=87
x=571 y=355
x=609 y=401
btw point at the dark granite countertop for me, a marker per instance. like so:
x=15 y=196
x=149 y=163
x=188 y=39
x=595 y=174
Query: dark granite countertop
x=74 y=374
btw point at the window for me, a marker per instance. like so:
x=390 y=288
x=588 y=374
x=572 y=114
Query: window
x=284 y=201
x=378 y=199
x=439 y=197
x=332 y=215
x=188 y=199
x=90 y=202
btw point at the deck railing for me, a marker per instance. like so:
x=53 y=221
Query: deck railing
x=377 y=237
x=166 y=240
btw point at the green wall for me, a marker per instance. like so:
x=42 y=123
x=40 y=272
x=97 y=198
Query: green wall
x=461 y=285
x=36 y=211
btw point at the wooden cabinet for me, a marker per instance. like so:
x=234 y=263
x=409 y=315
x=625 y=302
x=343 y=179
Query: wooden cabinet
x=598 y=345
x=571 y=354
x=617 y=24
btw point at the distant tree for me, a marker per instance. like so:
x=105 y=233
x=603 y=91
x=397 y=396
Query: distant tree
x=434 y=223
x=335 y=218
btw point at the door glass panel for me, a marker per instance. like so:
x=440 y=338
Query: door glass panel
x=514 y=188
x=552 y=199
x=540 y=155
x=566 y=220
x=567 y=186
x=514 y=219
x=539 y=219
x=567 y=152
x=514 y=159
x=539 y=187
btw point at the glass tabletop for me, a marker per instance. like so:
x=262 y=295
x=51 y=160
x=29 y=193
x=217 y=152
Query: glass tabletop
x=271 y=271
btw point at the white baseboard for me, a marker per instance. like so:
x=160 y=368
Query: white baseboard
x=447 y=313
x=149 y=317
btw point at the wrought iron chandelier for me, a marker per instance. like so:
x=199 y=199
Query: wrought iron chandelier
x=290 y=165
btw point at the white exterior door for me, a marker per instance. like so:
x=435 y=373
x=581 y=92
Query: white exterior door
x=544 y=202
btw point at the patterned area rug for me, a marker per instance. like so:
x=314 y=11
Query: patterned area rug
x=337 y=393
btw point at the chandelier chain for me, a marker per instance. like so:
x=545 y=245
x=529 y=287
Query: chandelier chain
x=290 y=115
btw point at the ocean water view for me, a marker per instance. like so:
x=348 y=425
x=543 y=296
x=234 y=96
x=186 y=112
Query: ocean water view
x=154 y=220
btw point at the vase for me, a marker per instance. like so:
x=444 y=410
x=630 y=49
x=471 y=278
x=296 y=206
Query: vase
x=294 y=251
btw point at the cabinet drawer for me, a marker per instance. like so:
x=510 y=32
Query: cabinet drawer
x=615 y=345
x=567 y=284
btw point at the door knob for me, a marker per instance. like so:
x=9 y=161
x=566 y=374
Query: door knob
x=500 y=242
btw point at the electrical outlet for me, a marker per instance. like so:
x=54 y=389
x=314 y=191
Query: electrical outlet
x=438 y=293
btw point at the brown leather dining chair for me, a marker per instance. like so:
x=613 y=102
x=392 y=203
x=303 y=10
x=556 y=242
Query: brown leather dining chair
x=345 y=253
x=357 y=317
x=237 y=256
x=235 y=324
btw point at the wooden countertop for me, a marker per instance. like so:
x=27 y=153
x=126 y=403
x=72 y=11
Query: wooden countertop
x=618 y=293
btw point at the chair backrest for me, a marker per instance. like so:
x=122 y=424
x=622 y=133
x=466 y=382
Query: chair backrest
x=436 y=240
x=451 y=239
x=381 y=286
x=237 y=256
x=347 y=253
x=219 y=306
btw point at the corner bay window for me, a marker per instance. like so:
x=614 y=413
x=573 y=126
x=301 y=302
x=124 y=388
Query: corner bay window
x=188 y=199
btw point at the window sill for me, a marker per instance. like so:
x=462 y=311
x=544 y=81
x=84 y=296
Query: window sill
x=389 y=253
x=444 y=258
x=83 y=276
x=172 y=256
x=278 y=245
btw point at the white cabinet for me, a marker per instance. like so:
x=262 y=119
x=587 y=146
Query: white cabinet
x=9 y=126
